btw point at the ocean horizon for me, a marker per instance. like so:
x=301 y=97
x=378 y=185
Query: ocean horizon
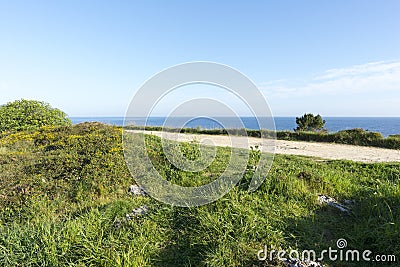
x=385 y=125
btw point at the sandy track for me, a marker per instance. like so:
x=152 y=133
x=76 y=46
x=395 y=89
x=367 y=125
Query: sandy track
x=312 y=149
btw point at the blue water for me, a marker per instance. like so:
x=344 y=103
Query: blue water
x=384 y=125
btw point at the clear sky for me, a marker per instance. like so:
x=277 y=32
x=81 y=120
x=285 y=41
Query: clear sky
x=336 y=58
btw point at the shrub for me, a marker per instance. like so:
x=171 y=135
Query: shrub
x=394 y=136
x=309 y=122
x=72 y=164
x=30 y=115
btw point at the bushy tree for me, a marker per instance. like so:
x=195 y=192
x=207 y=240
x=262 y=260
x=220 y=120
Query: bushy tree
x=30 y=114
x=309 y=122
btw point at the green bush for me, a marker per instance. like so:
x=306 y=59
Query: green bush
x=309 y=122
x=394 y=136
x=30 y=115
x=69 y=164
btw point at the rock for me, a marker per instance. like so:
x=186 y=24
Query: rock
x=298 y=263
x=137 y=190
x=322 y=199
x=142 y=210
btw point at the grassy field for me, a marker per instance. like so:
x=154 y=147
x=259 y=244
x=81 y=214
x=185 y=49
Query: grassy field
x=63 y=201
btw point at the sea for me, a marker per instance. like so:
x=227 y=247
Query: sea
x=385 y=125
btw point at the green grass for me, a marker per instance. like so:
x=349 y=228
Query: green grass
x=63 y=200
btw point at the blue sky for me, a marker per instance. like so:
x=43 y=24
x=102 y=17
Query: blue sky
x=336 y=58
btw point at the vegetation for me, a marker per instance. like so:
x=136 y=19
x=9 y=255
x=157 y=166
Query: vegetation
x=30 y=115
x=310 y=122
x=394 y=136
x=63 y=201
x=356 y=136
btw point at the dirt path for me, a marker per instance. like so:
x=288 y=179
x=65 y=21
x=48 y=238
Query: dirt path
x=313 y=149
